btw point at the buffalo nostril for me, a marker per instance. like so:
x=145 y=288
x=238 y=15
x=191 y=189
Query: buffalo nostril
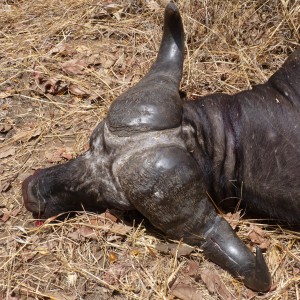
x=26 y=186
x=25 y=189
x=31 y=200
x=26 y=182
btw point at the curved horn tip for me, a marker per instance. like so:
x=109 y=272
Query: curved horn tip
x=171 y=8
x=260 y=280
x=171 y=11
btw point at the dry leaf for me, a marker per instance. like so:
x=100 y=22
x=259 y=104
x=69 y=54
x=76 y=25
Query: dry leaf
x=180 y=250
x=96 y=220
x=153 y=5
x=6 y=215
x=54 y=86
x=35 y=132
x=74 y=235
x=257 y=236
x=106 y=60
x=61 y=48
x=83 y=50
x=211 y=279
x=53 y=156
x=4 y=95
x=110 y=216
x=83 y=232
x=152 y=253
x=78 y=90
x=14 y=213
x=5 y=186
x=120 y=228
x=233 y=219
x=94 y=59
x=214 y=284
x=166 y=247
x=113 y=238
x=21 y=136
x=4 y=128
x=112 y=7
x=68 y=153
x=7 y=151
x=26 y=135
x=56 y=155
x=192 y=268
x=108 y=63
x=74 y=66
x=87 y=232
x=46 y=85
x=120 y=264
x=186 y=292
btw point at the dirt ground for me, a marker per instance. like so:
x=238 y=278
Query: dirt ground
x=61 y=65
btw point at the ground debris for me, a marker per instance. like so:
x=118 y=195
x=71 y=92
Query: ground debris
x=258 y=236
x=215 y=284
x=186 y=292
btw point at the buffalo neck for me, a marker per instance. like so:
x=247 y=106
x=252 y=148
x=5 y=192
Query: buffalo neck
x=211 y=133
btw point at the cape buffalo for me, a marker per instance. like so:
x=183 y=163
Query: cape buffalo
x=167 y=157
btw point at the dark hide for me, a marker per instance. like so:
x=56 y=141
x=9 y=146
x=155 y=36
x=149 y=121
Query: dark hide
x=162 y=156
x=248 y=144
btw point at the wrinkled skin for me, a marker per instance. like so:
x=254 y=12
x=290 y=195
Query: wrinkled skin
x=166 y=158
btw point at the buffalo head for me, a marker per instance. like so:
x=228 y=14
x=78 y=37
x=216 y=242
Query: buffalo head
x=138 y=160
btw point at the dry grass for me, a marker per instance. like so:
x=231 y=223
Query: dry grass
x=48 y=109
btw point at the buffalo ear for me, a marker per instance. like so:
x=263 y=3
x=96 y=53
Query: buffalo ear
x=154 y=103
